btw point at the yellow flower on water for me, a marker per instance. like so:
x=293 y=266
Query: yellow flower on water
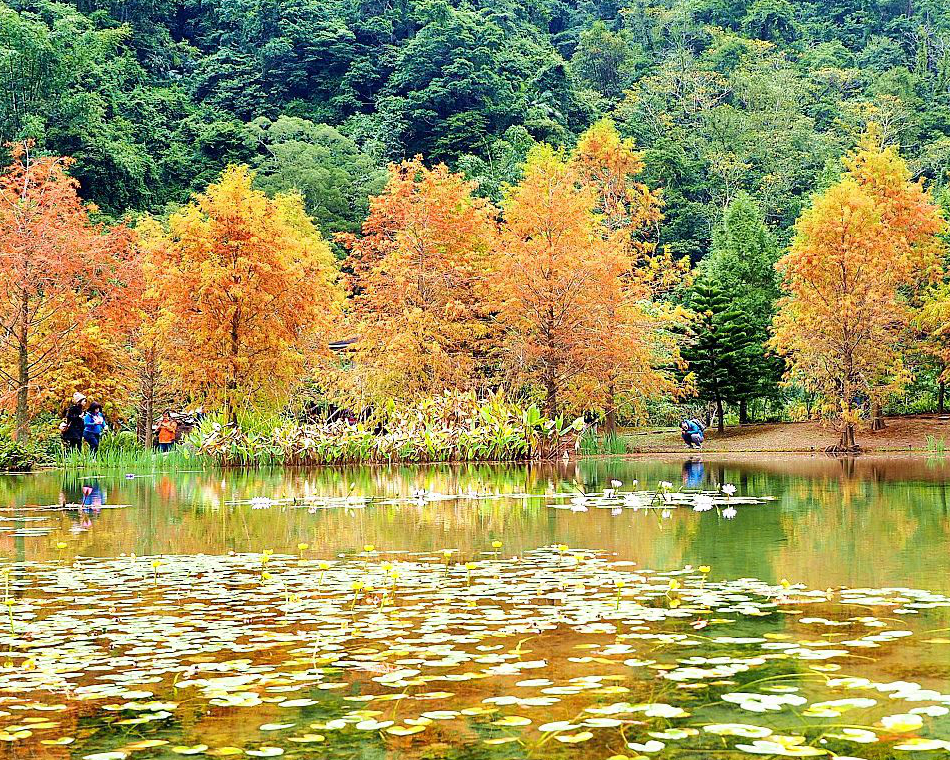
x=470 y=565
x=61 y=545
x=303 y=547
x=368 y=548
x=562 y=548
x=324 y=565
x=785 y=584
x=674 y=584
x=496 y=544
x=357 y=585
x=704 y=568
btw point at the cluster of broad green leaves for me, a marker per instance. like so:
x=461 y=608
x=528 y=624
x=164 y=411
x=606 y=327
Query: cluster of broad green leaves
x=453 y=426
x=272 y=654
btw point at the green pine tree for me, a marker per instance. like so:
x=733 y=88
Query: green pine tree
x=742 y=261
x=721 y=348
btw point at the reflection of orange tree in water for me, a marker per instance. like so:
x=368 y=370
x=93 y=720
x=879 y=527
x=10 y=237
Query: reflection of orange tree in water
x=851 y=532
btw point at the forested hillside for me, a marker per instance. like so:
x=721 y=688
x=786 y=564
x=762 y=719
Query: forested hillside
x=154 y=97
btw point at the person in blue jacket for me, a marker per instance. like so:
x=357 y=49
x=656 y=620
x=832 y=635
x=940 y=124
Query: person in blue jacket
x=692 y=433
x=94 y=425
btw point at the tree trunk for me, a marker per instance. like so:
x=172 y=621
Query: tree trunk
x=23 y=372
x=147 y=381
x=877 y=417
x=941 y=392
x=550 y=395
x=743 y=411
x=720 y=422
x=230 y=407
x=846 y=443
x=610 y=420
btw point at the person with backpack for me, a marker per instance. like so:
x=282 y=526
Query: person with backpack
x=692 y=432
x=71 y=428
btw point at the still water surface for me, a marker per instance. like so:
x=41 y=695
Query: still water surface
x=870 y=524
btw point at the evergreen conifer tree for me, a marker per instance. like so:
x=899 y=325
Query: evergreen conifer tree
x=742 y=261
x=721 y=351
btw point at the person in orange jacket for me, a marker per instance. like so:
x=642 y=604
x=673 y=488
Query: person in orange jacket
x=167 y=430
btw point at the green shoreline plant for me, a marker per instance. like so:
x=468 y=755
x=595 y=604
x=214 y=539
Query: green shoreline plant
x=451 y=427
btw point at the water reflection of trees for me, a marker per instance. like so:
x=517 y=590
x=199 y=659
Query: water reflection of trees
x=830 y=525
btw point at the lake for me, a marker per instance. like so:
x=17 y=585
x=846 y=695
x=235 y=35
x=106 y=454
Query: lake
x=481 y=611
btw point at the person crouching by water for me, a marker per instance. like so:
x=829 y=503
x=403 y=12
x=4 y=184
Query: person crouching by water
x=94 y=425
x=692 y=433
x=167 y=430
x=71 y=428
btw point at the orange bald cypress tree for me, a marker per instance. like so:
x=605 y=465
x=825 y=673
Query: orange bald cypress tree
x=858 y=256
x=418 y=273
x=556 y=279
x=638 y=350
x=58 y=270
x=247 y=292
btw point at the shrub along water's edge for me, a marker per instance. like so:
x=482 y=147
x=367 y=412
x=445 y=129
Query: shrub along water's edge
x=452 y=427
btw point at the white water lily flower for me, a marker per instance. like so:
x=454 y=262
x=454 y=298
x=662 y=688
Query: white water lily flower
x=261 y=502
x=703 y=503
x=728 y=489
x=729 y=512
x=616 y=483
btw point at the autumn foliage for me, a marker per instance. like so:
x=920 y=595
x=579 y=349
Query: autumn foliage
x=418 y=276
x=570 y=306
x=860 y=253
x=246 y=291
x=59 y=269
x=559 y=295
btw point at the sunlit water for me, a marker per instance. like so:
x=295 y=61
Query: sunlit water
x=481 y=611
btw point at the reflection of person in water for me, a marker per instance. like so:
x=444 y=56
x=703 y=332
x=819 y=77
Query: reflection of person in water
x=84 y=502
x=693 y=473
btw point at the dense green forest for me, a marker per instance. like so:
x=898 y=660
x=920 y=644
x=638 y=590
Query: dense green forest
x=153 y=98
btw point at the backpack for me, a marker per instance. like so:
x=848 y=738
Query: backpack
x=699 y=423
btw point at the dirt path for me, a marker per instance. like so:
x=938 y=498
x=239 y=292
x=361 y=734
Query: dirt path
x=901 y=434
